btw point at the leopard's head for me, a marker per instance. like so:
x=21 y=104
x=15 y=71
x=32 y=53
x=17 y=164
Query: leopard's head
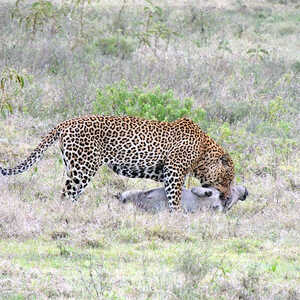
x=216 y=170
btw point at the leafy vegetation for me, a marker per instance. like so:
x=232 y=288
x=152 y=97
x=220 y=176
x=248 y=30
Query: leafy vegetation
x=11 y=84
x=163 y=106
x=154 y=27
x=116 y=45
x=38 y=16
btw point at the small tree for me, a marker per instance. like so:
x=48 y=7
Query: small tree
x=11 y=83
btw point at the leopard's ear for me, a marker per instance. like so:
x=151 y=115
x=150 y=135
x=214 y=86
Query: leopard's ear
x=225 y=159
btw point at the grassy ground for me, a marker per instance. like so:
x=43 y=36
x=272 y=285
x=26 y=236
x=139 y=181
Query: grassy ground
x=240 y=62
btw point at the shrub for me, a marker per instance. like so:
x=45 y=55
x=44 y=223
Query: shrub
x=296 y=67
x=194 y=266
x=116 y=45
x=154 y=104
x=275 y=109
x=37 y=16
x=154 y=27
x=11 y=84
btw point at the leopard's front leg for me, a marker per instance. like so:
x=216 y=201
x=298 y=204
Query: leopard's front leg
x=178 y=164
x=173 y=180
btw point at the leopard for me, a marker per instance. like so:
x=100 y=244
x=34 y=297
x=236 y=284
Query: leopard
x=136 y=148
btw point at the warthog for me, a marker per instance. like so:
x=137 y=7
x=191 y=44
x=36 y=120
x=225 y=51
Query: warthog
x=194 y=199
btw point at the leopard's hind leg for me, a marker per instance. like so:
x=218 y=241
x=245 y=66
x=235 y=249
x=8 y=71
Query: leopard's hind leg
x=81 y=166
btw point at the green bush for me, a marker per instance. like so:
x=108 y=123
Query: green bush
x=233 y=111
x=116 y=45
x=38 y=15
x=11 y=85
x=119 y=99
x=296 y=67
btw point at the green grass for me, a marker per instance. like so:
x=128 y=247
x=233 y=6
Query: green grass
x=133 y=264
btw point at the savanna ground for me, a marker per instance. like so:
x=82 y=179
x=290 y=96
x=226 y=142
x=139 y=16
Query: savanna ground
x=239 y=61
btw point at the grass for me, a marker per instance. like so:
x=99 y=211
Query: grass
x=232 y=59
x=131 y=267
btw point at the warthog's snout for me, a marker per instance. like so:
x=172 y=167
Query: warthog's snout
x=120 y=197
x=245 y=195
x=208 y=193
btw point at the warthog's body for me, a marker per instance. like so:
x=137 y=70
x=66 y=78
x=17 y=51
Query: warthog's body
x=192 y=200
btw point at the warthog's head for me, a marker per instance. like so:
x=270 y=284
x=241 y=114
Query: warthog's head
x=238 y=192
x=217 y=202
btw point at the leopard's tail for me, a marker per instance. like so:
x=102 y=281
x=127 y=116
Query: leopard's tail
x=35 y=156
